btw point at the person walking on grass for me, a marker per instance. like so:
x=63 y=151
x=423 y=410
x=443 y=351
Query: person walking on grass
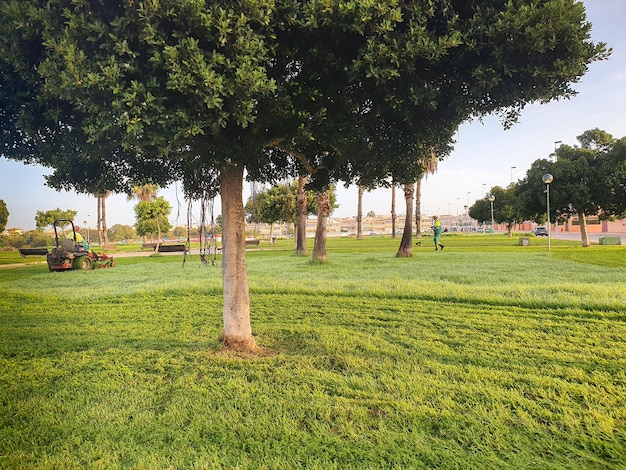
x=437 y=232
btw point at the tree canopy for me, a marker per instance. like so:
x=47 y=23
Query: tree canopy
x=342 y=85
x=278 y=204
x=200 y=90
x=152 y=217
x=45 y=219
x=506 y=208
x=589 y=180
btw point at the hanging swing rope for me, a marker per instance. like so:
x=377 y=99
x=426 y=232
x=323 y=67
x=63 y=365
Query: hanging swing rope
x=204 y=254
x=213 y=237
x=187 y=251
x=208 y=240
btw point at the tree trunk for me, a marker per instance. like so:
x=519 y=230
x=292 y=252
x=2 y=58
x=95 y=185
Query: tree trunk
x=418 y=205
x=301 y=248
x=406 y=245
x=237 y=332
x=583 y=229
x=272 y=237
x=359 y=215
x=158 y=241
x=105 y=234
x=323 y=210
x=393 y=211
x=99 y=216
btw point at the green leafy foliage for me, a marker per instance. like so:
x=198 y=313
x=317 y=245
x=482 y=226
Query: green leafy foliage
x=152 y=217
x=506 y=207
x=589 y=179
x=347 y=91
x=121 y=232
x=45 y=219
x=4 y=215
x=278 y=203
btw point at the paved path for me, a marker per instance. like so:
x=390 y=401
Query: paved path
x=593 y=237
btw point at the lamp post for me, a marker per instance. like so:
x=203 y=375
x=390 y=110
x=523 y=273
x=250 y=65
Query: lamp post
x=491 y=199
x=484 y=184
x=547 y=179
x=466 y=218
x=512 y=168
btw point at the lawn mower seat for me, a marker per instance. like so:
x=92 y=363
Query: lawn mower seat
x=68 y=244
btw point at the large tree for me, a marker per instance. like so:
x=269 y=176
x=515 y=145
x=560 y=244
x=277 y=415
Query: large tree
x=341 y=90
x=283 y=203
x=589 y=180
x=506 y=208
x=152 y=218
x=45 y=219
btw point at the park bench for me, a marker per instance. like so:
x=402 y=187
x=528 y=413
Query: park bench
x=148 y=246
x=33 y=252
x=253 y=242
x=172 y=248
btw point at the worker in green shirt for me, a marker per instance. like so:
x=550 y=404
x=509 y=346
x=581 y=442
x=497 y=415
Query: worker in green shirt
x=78 y=238
x=437 y=232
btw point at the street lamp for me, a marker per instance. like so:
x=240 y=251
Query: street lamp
x=512 y=168
x=466 y=218
x=491 y=199
x=547 y=179
x=484 y=184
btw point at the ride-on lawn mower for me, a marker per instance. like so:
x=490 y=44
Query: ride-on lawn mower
x=71 y=253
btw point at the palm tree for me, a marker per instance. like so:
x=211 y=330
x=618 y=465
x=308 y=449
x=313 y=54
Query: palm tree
x=144 y=192
x=103 y=237
x=429 y=164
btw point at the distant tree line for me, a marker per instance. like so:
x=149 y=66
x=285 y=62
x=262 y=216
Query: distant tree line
x=589 y=181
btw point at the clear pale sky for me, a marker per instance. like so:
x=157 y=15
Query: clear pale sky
x=484 y=155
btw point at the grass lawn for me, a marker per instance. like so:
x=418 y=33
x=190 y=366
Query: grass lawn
x=486 y=355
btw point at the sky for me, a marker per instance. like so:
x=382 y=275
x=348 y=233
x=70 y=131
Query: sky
x=485 y=155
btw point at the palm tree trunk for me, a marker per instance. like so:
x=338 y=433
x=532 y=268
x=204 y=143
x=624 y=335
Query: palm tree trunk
x=301 y=208
x=359 y=215
x=105 y=234
x=323 y=210
x=418 y=205
x=406 y=245
x=99 y=216
x=393 y=211
x=237 y=332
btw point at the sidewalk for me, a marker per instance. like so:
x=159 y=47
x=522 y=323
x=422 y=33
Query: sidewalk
x=593 y=237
